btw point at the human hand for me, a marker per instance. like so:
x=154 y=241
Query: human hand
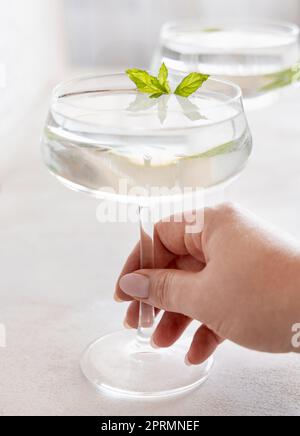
x=238 y=278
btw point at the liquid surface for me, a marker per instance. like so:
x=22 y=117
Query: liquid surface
x=254 y=59
x=93 y=141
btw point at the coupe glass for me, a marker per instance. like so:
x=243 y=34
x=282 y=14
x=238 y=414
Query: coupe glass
x=260 y=57
x=101 y=131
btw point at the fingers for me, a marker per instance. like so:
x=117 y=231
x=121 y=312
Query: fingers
x=170 y=329
x=178 y=239
x=204 y=344
x=162 y=259
x=132 y=264
x=188 y=263
x=133 y=314
x=172 y=290
x=172 y=244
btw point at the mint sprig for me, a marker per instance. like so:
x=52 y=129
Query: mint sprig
x=158 y=86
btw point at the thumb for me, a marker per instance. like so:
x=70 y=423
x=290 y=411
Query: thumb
x=170 y=290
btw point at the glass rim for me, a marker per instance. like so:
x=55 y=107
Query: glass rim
x=290 y=28
x=58 y=93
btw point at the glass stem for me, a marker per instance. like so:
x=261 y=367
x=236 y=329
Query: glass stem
x=147 y=313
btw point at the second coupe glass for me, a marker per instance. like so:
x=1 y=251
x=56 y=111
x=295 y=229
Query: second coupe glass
x=260 y=57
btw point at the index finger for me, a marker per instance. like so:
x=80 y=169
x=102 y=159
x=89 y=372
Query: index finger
x=162 y=259
x=171 y=240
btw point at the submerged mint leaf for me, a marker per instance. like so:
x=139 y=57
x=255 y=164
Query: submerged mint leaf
x=212 y=29
x=228 y=147
x=282 y=79
x=191 y=84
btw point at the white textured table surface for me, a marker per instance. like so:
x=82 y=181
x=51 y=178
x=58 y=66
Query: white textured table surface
x=57 y=271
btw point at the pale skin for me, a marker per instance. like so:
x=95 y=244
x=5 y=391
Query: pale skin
x=237 y=277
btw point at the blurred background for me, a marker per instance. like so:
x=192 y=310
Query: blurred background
x=118 y=32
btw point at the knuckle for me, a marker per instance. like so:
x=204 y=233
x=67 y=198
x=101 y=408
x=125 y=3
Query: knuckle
x=161 y=288
x=227 y=210
x=221 y=215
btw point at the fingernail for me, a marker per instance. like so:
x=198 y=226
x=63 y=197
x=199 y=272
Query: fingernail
x=127 y=326
x=187 y=361
x=117 y=299
x=153 y=344
x=135 y=285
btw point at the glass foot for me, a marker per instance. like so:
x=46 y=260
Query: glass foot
x=119 y=364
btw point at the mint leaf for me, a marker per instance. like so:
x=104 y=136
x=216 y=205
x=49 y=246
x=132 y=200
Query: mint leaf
x=145 y=82
x=163 y=78
x=212 y=29
x=282 y=79
x=229 y=147
x=158 y=86
x=157 y=95
x=150 y=84
x=191 y=84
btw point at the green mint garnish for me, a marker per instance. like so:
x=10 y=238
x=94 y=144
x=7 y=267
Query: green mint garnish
x=163 y=78
x=282 y=79
x=191 y=84
x=158 y=86
x=158 y=94
x=212 y=29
